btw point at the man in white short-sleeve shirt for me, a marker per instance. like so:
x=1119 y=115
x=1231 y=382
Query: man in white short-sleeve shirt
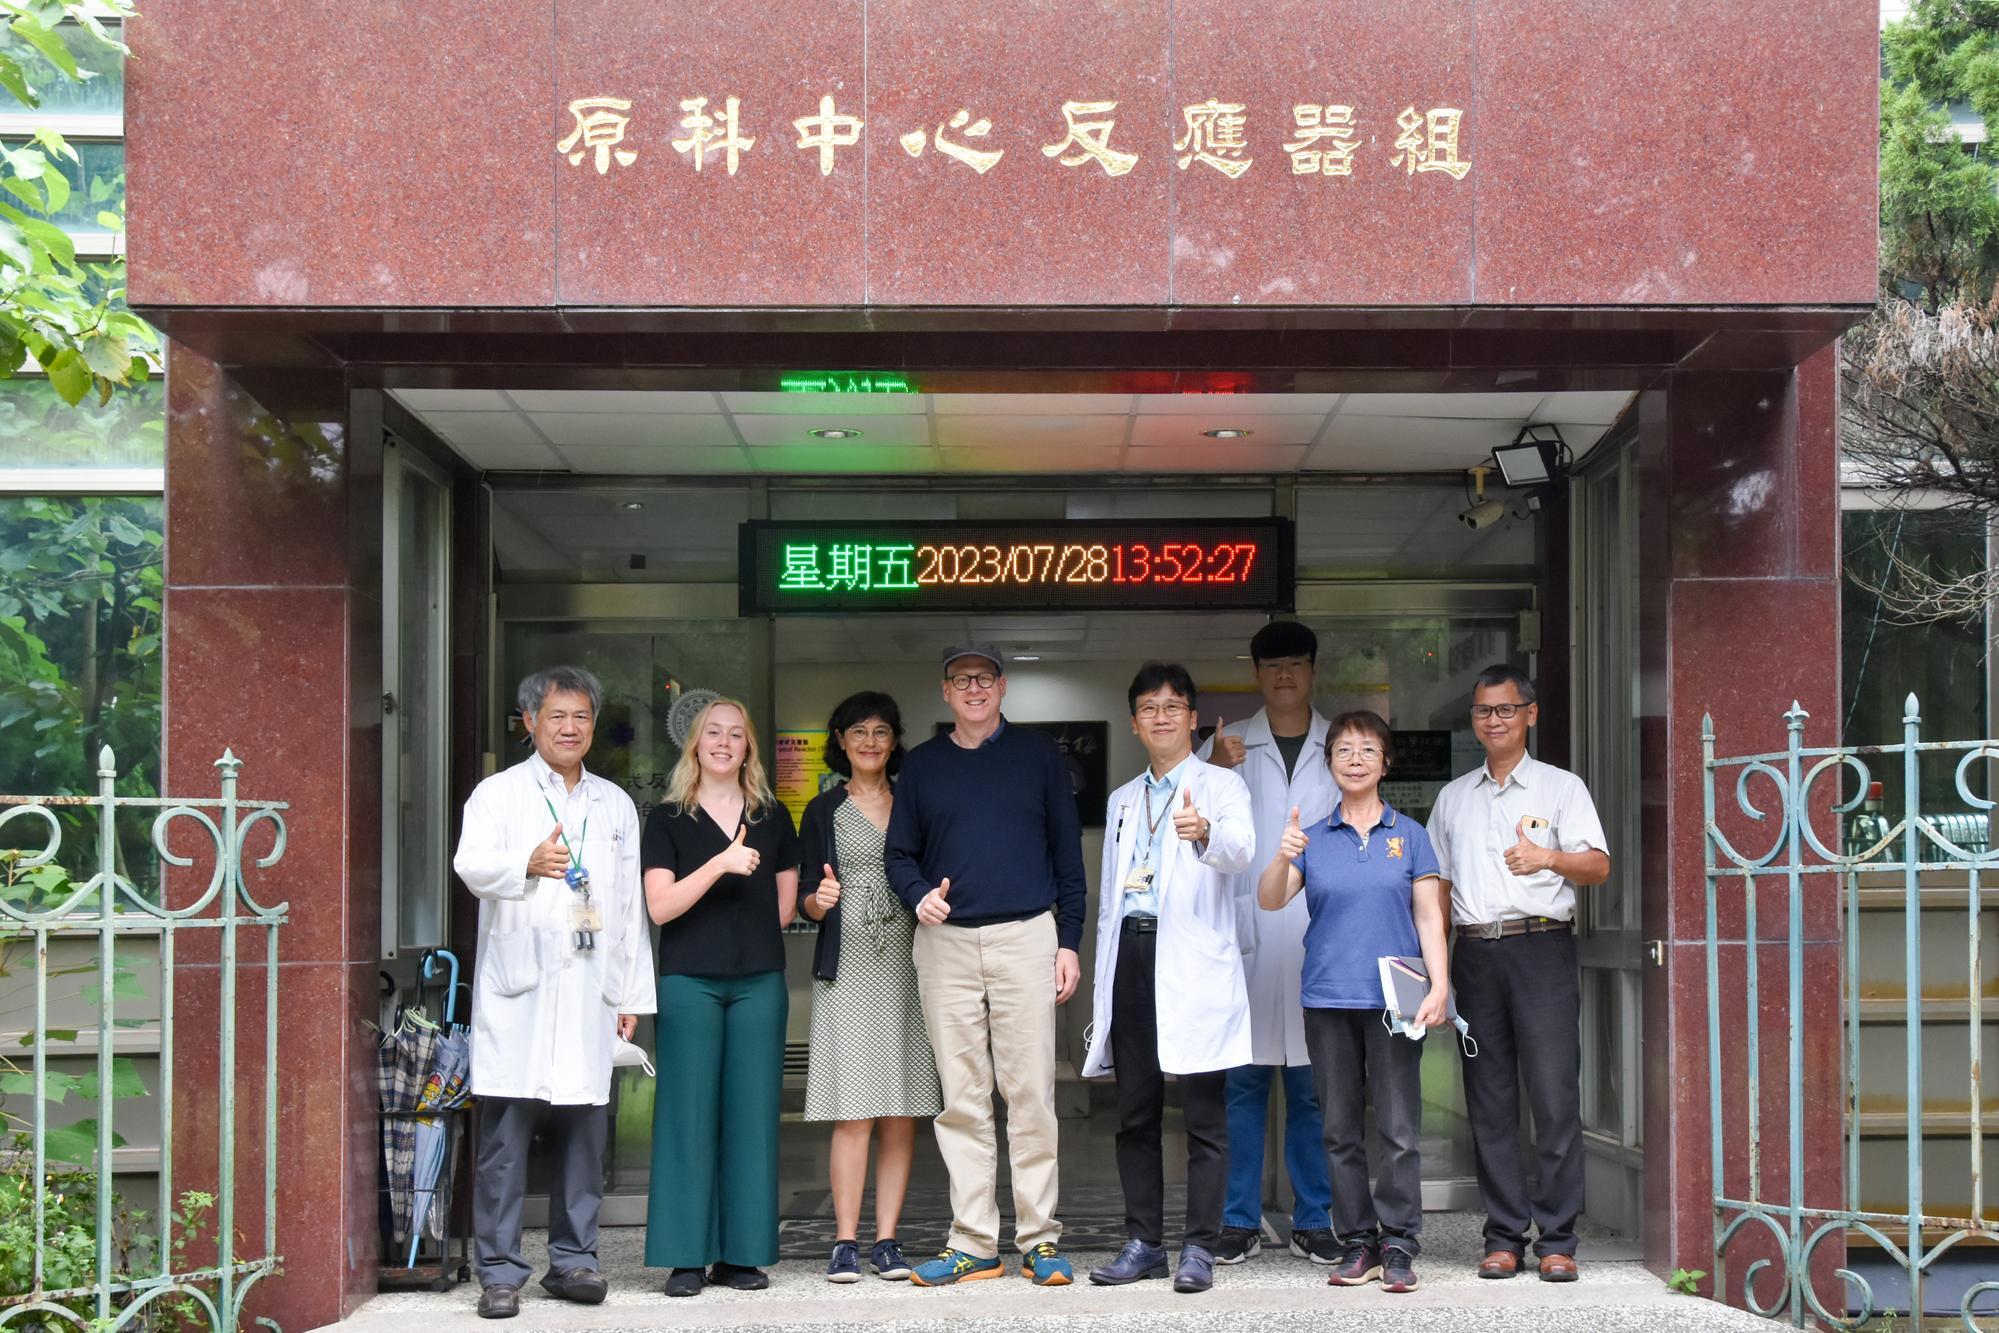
x=1514 y=839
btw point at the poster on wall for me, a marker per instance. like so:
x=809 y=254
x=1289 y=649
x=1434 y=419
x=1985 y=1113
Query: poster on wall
x=1422 y=767
x=800 y=771
x=1085 y=748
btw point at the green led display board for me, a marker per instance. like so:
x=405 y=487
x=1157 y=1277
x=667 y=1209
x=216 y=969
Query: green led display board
x=844 y=381
x=1081 y=565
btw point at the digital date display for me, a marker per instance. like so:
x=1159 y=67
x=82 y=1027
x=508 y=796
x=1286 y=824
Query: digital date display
x=1188 y=565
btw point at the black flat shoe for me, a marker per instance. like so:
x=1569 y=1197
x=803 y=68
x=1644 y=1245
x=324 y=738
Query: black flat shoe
x=585 y=1286
x=738 y=1278
x=499 y=1301
x=685 y=1282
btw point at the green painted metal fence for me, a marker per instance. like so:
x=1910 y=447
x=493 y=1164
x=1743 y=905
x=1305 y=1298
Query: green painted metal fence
x=189 y=1281
x=1790 y=797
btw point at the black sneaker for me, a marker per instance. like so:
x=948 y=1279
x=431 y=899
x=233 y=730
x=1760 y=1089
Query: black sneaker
x=738 y=1278
x=1358 y=1266
x=1238 y=1244
x=1398 y=1269
x=1316 y=1244
x=685 y=1282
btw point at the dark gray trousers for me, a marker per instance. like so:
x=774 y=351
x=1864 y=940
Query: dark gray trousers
x=1522 y=998
x=575 y=1188
x=1355 y=1060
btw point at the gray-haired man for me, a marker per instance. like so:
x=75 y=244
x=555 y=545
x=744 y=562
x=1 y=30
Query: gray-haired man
x=564 y=969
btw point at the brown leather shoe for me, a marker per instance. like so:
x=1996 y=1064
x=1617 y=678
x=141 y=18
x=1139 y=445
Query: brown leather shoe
x=1559 y=1268
x=1499 y=1264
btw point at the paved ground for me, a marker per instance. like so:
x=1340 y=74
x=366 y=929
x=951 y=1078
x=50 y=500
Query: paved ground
x=1272 y=1294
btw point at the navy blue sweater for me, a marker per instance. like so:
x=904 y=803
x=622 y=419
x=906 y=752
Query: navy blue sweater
x=999 y=822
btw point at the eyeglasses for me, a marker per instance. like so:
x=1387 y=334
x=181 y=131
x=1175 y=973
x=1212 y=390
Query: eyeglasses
x=1504 y=712
x=984 y=680
x=1172 y=711
x=1348 y=753
x=863 y=732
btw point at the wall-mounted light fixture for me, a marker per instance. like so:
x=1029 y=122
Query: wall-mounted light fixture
x=1538 y=456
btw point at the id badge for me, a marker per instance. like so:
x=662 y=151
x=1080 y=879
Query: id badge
x=585 y=917
x=1139 y=880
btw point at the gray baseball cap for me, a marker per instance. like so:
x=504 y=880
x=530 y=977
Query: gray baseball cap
x=985 y=650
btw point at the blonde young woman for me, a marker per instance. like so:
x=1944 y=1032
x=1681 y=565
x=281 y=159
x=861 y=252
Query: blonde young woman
x=721 y=881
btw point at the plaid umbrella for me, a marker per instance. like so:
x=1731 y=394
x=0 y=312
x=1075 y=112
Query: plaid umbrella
x=403 y=1063
x=446 y=1087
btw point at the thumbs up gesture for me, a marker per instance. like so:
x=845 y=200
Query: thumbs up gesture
x=1525 y=856
x=828 y=892
x=1291 y=845
x=550 y=858
x=1187 y=821
x=738 y=858
x=933 y=909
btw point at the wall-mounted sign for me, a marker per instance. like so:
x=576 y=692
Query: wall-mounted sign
x=844 y=381
x=1177 y=565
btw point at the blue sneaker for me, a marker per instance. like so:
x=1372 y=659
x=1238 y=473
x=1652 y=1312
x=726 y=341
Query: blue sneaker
x=1136 y=1262
x=887 y=1261
x=1044 y=1266
x=845 y=1265
x=955 y=1266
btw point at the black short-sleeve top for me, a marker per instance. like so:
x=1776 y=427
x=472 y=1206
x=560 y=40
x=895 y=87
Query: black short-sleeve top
x=733 y=930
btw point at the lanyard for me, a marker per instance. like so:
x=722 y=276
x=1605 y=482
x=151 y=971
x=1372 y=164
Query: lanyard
x=1152 y=823
x=566 y=844
x=584 y=936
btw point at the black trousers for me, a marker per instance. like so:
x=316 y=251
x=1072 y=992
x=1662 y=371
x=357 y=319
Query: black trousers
x=1522 y=998
x=576 y=1191
x=1141 y=1104
x=1355 y=1060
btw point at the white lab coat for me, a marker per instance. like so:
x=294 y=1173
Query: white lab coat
x=1201 y=999
x=544 y=1014
x=1273 y=943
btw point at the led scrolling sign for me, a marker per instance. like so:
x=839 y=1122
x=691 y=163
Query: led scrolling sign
x=1181 y=565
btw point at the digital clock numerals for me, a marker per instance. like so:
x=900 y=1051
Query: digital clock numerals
x=1098 y=563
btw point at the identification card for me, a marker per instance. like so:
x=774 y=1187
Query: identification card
x=585 y=917
x=1139 y=880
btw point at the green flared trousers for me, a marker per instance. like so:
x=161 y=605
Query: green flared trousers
x=713 y=1194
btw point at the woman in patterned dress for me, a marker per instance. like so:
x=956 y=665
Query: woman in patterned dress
x=871 y=1071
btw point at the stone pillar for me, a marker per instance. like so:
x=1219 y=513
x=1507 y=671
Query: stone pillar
x=1739 y=617
x=273 y=650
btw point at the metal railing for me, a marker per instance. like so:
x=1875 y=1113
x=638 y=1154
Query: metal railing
x=1803 y=859
x=176 y=1288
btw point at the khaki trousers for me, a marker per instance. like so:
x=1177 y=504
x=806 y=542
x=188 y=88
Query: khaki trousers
x=989 y=1003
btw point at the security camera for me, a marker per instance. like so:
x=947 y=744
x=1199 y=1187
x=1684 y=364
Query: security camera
x=1483 y=514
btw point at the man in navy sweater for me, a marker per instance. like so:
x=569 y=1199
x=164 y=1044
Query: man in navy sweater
x=985 y=844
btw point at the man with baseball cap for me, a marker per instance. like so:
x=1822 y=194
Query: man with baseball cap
x=985 y=845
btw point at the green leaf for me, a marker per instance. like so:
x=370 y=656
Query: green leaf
x=77 y=1143
x=51 y=238
x=16 y=82
x=125 y=1081
x=36 y=34
x=57 y=185
x=108 y=357
x=68 y=374
x=110 y=221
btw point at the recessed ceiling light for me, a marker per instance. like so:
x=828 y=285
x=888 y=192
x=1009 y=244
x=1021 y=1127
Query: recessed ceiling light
x=1242 y=657
x=1027 y=657
x=834 y=433
x=1227 y=433
x=633 y=504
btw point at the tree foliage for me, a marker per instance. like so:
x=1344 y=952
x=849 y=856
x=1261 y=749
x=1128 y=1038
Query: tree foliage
x=1940 y=195
x=59 y=313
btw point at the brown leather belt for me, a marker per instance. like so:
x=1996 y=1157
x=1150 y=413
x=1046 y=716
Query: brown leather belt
x=1519 y=925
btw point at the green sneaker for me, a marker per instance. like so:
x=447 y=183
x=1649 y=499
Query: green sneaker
x=955 y=1266
x=1044 y=1266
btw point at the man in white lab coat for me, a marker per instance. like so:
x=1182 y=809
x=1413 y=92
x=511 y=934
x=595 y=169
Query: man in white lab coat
x=564 y=969
x=1170 y=996
x=1280 y=754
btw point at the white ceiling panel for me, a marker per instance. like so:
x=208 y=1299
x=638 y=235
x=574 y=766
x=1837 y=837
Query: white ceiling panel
x=906 y=432
x=1036 y=458
x=624 y=460
x=511 y=457
x=1184 y=431
x=452 y=400
x=1419 y=443
x=1580 y=436
x=843 y=459
x=613 y=400
x=1598 y=409
x=1205 y=404
x=829 y=404
x=1510 y=406
x=1033 y=404
x=1248 y=457
x=471 y=429
x=633 y=429
x=1029 y=433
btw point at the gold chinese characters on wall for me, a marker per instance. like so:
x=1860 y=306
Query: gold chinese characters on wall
x=1322 y=140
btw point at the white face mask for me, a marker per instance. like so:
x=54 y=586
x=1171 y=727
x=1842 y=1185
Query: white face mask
x=625 y=1055
x=1414 y=1033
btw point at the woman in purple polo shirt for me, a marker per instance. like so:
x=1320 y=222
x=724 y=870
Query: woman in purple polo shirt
x=1372 y=891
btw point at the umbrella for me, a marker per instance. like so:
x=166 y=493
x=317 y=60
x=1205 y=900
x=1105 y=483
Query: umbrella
x=403 y=1063
x=445 y=1088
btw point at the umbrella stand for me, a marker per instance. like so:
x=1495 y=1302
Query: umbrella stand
x=424 y=1115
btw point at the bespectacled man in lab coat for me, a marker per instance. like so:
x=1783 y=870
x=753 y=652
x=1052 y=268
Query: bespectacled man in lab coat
x=564 y=970
x=1170 y=997
x=1280 y=754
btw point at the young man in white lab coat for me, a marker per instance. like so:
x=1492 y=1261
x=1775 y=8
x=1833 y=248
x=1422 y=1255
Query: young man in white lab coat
x=1280 y=754
x=564 y=969
x=1170 y=996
